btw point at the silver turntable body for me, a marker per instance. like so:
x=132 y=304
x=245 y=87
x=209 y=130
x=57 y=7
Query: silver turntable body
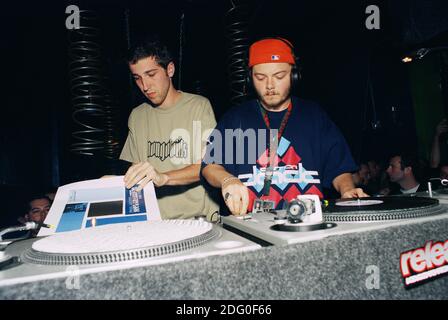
x=93 y=251
x=262 y=225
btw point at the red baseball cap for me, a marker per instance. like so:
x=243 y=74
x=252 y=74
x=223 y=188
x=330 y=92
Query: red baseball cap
x=271 y=50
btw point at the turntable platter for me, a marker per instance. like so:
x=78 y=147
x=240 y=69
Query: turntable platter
x=380 y=209
x=118 y=237
x=121 y=242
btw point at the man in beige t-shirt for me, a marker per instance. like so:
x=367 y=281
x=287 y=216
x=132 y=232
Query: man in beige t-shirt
x=167 y=137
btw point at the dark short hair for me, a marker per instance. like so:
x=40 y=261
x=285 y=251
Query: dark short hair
x=36 y=197
x=149 y=47
x=409 y=160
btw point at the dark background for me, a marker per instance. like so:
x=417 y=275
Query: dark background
x=340 y=60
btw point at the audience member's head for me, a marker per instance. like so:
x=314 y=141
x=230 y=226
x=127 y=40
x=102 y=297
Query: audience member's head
x=443 y=171
x=375 y=169
x=403 y=169
x=38 y=208
x=364 y=173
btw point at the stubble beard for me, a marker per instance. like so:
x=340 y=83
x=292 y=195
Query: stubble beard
x=273 y=101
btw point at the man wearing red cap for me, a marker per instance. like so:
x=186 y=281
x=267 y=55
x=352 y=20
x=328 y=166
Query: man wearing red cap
x=301 y=152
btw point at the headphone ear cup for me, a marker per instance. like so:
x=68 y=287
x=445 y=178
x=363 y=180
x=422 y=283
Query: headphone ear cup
x=298 y=68
x=295 y=77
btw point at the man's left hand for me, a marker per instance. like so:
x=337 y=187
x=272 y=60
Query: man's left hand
x=354 y=193
x=142 y=173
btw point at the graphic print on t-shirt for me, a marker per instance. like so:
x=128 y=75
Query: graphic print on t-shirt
x=290 y=178
x=170 y=149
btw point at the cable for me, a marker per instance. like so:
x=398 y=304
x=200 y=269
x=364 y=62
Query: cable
x=94 y=112
x=181 y=50
x=26 y=226
x=237 y=35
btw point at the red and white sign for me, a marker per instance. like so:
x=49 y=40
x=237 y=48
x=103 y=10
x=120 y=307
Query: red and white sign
x=424 y=263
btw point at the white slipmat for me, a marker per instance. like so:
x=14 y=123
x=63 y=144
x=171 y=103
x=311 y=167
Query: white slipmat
x=92 y=248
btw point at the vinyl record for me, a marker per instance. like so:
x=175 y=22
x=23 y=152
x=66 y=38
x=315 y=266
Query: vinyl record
x=380 y=203
x=380 y=209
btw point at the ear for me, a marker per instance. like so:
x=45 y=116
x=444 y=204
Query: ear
x=170 y=69
x=408 y=170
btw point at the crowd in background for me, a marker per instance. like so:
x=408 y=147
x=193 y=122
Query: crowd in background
x=405 y=173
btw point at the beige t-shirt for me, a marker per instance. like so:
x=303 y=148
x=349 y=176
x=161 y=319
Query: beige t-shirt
x=171 y=139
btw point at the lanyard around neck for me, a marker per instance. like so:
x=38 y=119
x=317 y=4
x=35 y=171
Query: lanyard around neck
x=274 y=140
x=272 y=145
x=283 y=123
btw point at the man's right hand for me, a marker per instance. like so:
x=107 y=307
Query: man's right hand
x=235 y=195
x=144 y=172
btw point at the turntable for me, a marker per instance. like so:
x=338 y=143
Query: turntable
x=340 y=217
x=118 y=246
x=439 y=194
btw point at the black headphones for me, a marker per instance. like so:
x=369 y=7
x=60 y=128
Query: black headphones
x=295 y=71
